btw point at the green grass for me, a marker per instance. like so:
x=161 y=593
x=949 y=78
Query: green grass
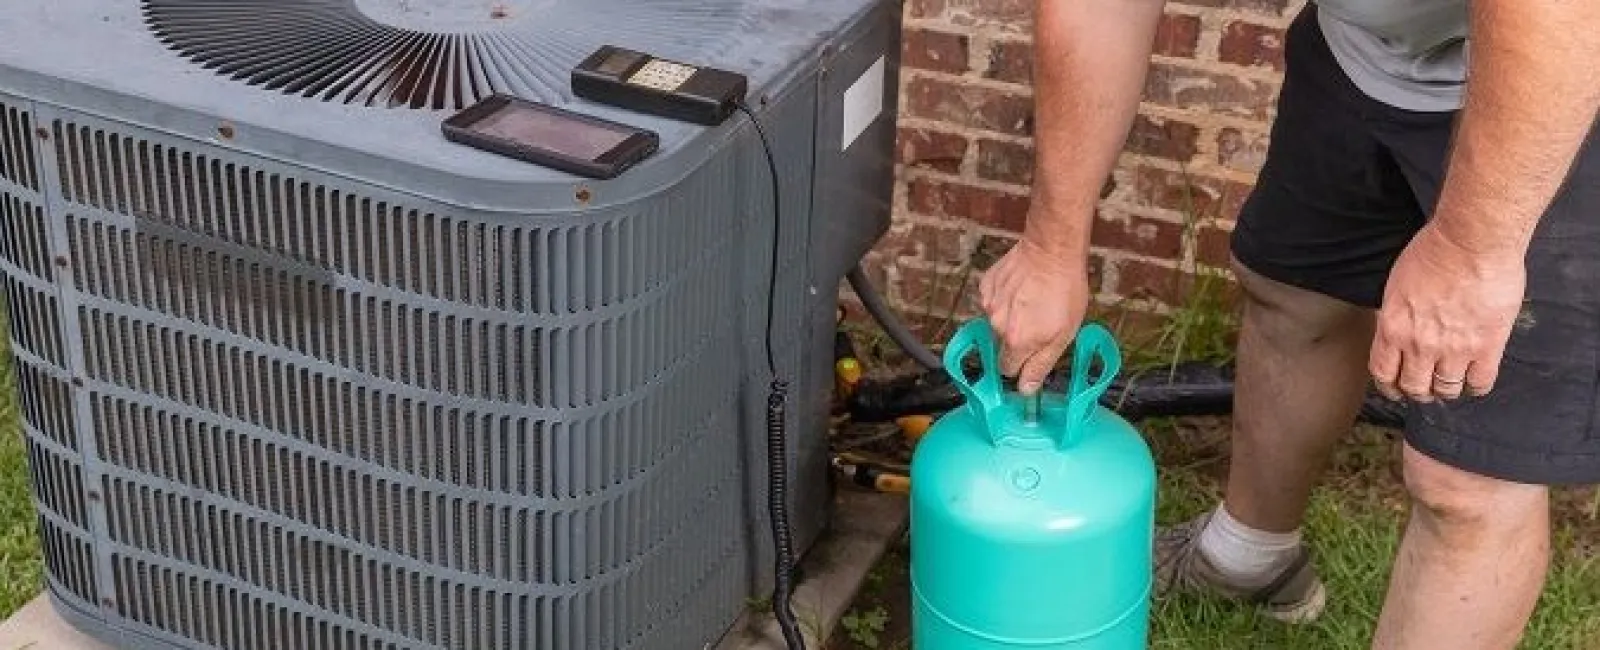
x=20 y=568
x=1354 y=526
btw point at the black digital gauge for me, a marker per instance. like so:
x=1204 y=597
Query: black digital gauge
x=550 y=136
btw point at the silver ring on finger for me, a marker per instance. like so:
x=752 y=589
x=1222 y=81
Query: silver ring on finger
x=1447 y=382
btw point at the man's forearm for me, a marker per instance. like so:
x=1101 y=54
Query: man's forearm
x=1531 y=99
x=1090 y=61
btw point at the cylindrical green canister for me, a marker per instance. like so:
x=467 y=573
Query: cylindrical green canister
x=1031 y=527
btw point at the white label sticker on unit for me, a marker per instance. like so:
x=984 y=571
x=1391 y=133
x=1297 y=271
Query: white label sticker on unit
x=863 y=102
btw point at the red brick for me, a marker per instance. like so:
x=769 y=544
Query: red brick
x=935 y=327
x=1239 y=150
x=1263 y=7
x=937 y=292
x=1187 y=88
x=926 y=8
x=930 y=149
x=989 y=250
x=1143 y=235
x=1007 y=162
x=1203 y=197
x=1014 y=14
x=1246 y=43
x=935 y=50
x=940 y=244
x=1178 y=35
x=1212 y=247
x=895 y=244
x=876 y=266
x=1010 y=61
x=970 y=105
x=981 y=205
x=928 y=296
x=1170 y=139
x=1135 y=328
x=1138 y=279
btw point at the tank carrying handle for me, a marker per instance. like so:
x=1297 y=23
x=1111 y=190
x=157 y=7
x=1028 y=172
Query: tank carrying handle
x=1093 y=343
x=984 y=395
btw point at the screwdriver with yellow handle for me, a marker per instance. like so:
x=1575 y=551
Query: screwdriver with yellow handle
x=873 y=476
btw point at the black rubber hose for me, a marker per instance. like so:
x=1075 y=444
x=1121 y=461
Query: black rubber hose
x=1188 y=389
x=891 y=324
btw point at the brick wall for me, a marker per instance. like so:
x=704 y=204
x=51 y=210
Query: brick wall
x=966 y=154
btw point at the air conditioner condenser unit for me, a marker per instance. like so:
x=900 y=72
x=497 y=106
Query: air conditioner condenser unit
x=296 y=372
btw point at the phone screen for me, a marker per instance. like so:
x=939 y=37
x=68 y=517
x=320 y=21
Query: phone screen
x=543 y=130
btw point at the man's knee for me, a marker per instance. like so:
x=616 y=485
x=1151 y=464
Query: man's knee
x=1458 y=501
x=1293 y=316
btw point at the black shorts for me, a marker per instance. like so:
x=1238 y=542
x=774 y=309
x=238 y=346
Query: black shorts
x=1348 y=181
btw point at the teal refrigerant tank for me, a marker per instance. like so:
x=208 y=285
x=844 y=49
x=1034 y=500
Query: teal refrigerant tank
x=1031 y=524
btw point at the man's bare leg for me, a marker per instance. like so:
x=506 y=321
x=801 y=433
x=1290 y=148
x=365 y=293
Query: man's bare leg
x=1300 y=380
x=1471 y=564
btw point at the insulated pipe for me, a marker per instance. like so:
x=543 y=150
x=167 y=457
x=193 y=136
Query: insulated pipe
x=891 y=324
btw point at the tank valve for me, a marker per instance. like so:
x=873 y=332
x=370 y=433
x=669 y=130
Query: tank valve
x=1031 y=406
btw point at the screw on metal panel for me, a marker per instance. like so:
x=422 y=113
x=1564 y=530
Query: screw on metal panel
x=584 y=195
x=61 y=260
x=94 y=495
x=77 y=381
x=43 y=133
x=499 y=11
x=226 y=131
x=108 y=602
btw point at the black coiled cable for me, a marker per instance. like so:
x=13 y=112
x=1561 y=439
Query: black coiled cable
x=777 y=503
x=777 y=438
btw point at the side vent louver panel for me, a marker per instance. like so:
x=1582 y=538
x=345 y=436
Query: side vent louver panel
x=402 y=248
x=326 y=415
x=35 y=316
x=24 y=237
x=69 y=559
x=46 y=402
x=38 y=364
x=18 y=162
x=58 y=484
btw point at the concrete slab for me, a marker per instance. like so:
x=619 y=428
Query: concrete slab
x=37 y=627
x=864 y=526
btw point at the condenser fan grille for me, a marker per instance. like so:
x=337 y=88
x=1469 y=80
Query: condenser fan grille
x=438 y=55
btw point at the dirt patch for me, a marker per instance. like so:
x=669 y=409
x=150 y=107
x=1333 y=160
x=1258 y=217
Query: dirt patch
x=880 y=618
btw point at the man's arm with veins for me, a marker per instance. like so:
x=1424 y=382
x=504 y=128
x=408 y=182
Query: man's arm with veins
x=1531 y=97
x=1090 y=62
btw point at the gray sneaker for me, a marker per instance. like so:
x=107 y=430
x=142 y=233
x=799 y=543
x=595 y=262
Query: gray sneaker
x=1296 y=595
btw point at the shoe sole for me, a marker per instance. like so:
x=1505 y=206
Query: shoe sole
x=1305 y=611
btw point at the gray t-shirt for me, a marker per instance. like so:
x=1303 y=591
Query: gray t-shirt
x=1407 y=53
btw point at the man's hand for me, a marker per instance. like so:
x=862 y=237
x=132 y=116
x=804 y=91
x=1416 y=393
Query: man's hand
x=1447 y=315
x=1036 y=301
x=1454 y=293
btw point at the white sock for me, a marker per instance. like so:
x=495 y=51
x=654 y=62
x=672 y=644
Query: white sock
x=1244 y=555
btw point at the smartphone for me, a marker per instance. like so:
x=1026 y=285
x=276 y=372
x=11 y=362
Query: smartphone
x=550 y=136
